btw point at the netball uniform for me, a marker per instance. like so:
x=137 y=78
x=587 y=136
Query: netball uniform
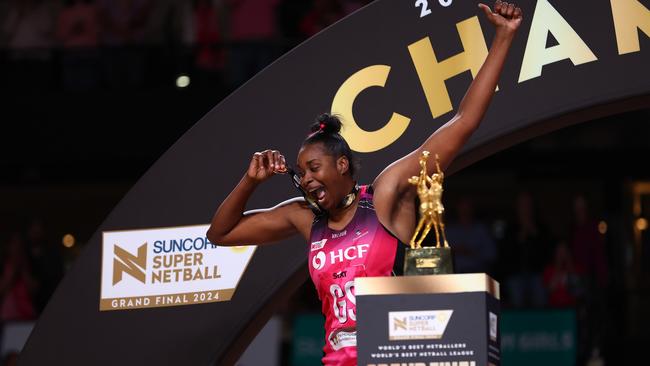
x=363 y=248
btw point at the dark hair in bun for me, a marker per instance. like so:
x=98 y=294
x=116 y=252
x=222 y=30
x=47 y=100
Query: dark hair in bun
x=326 y=131
x=327 y=123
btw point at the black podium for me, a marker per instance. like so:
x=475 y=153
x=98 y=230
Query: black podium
x=437 y=320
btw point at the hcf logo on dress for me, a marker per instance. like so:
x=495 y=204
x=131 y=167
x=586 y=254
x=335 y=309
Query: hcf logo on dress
x=339 y=255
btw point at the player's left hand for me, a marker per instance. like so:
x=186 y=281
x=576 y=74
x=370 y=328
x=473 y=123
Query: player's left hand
x=505 y=16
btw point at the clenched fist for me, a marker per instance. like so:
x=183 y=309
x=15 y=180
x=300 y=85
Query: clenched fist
x=505 y=16
x=265 y=164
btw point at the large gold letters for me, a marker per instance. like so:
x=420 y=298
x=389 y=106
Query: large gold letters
x=433 y=73
x=546 y=19
x=629 y=17
x=432 y=76
x=358 y=138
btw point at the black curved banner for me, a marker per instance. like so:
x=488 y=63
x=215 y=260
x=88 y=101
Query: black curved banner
x=395 y=71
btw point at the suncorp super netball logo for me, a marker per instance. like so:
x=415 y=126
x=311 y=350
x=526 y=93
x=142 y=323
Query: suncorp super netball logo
x=426 y=324
x=168 y=267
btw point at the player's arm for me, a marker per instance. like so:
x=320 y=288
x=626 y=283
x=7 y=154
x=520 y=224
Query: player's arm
x=232 y=226
x=392 y=190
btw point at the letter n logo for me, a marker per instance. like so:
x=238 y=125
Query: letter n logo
x=129 y=263
x=399 y=323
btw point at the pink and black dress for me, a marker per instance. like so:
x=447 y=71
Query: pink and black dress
x=363 y=248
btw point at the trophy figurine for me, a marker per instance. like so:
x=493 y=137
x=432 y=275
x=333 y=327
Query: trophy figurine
x=429 y=259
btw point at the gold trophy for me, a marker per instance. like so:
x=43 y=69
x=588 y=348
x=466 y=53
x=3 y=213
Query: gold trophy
x=429 y=259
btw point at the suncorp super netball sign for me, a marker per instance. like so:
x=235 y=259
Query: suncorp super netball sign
x=168 y=267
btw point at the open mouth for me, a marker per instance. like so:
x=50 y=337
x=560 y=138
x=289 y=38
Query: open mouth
x=318 y=194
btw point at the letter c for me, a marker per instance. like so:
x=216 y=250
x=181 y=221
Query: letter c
x=349 y=256
x=361 y=140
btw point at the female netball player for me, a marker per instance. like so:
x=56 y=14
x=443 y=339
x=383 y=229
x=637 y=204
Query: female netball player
x=354 y=230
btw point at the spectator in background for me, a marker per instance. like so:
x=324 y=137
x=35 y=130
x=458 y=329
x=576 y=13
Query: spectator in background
x=29 y=33
x=78 y=25
x=46 y=261
x=10 y=359
x=160 y=36
x=290 y=12
x=253 y=37
x=563 y=279
x=124 y=21
x=77 y=31
x=587 y=244
x=473 y=247
x=523 y=255
x=350 y=6
x=123 y=25
x=5 y=7
x=323 y=14
x=16 y=283
x=162 y=22
x=201 y=34
x=588 y=248
x=209 y=50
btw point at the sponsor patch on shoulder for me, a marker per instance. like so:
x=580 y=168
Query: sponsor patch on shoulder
x=318 y=245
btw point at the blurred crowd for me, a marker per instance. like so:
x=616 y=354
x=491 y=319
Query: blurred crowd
x=31 y=267
x=537 y=267
x=87 y=44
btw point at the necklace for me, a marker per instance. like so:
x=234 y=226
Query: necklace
x=350 y=197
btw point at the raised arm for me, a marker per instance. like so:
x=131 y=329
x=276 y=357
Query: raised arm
x=232 y=226
x=393 y=194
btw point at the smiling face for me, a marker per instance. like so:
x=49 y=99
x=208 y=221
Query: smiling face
x=325 y=178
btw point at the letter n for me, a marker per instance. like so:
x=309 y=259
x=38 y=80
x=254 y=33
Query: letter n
x=129 y=263
x=399 y=323
x=630 y=16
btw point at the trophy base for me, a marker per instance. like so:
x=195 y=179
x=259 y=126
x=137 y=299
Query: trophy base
x=428 y=261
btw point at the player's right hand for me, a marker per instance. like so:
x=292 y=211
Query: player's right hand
x=265 y=164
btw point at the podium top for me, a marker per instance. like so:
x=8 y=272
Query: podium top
x=449 y=283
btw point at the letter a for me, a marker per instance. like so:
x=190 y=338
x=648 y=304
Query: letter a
x=546 y=19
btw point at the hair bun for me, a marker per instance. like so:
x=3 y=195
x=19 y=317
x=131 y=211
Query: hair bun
x=327 y=123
